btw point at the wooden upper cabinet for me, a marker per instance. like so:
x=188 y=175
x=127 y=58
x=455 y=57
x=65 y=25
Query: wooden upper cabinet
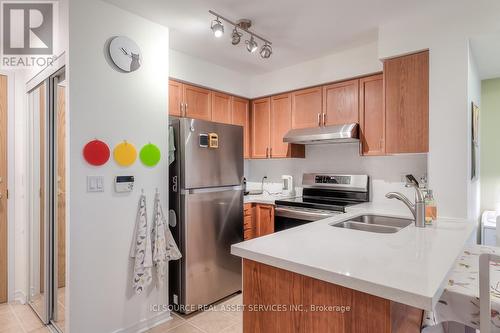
x=198 y=102
x=372 y=115
x=221 y=108
x=261 y=127
x=281 y=122
x=407 y=103
x=175 y=98
x=306 y=108
x=241 y=116
x=340 y=103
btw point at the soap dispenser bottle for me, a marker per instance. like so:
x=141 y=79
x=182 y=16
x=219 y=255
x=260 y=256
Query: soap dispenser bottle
x=430 y=208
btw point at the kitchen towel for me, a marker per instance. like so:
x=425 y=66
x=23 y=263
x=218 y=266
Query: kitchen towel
x=164 y=246
x=459 y=302
x=171 y=145
x=140 y=250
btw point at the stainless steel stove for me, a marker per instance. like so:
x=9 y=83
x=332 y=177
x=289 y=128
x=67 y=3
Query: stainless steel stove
x=324 y=195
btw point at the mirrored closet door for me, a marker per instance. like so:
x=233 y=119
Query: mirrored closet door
x=47 y=199
x=38 y=214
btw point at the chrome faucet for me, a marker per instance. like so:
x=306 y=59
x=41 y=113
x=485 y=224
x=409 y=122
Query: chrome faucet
x=418 y=208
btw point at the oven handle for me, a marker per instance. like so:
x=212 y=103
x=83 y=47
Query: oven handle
x=300 y=214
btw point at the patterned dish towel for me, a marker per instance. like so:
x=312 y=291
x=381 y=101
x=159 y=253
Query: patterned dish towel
x=460 y=300
x=140 y=250
x=164 y=246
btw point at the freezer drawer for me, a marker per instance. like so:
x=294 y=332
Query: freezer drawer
x=212 y=221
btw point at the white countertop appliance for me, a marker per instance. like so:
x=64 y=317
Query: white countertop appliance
x=324 y=195
x=287 y=188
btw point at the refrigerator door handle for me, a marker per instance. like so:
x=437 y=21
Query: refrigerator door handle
x=212 y=189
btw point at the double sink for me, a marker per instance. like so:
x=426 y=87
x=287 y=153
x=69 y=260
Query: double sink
x=375 y=223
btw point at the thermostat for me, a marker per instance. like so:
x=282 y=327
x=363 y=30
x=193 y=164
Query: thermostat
x=124 y=184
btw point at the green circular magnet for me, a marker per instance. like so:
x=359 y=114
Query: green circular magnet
x=150 y=155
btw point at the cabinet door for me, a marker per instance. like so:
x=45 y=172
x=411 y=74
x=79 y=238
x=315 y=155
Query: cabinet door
x=261 y=119
x=175 y=98
x=221 y=108
x=248 y=222
x=241 y=117
x=306 y=108
x=372 y=115
x=264 y=220
x=340 y=103
x=281 y=122
x=407 y=103
x=198 y=102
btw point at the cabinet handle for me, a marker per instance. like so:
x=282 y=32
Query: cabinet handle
x=181 y=108
x=185 y=108
x=324 y=119
x=267 y=152
x=319 y=119
x=271 y=152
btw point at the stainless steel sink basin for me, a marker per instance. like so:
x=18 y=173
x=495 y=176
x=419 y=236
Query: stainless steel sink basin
x=375 y=223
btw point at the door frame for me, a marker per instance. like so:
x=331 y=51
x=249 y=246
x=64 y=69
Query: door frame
x=12 y=294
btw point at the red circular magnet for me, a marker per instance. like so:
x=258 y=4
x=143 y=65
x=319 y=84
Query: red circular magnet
x=96 y=152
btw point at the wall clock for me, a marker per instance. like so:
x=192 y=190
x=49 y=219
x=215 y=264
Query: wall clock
x=125 y=53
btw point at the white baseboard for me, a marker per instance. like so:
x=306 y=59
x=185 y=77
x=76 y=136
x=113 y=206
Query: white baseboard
x=146 y=324
x=20 y=296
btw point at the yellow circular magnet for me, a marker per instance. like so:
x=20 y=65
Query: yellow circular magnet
x=125 y=153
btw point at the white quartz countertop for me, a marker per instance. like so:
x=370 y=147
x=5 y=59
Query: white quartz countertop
x=409 y=266
x=265 y=198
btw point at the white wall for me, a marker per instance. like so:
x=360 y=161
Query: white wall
x=445 y=30
x=111 y=106
x=337 y=66
x=195 y=70
x=385 y=171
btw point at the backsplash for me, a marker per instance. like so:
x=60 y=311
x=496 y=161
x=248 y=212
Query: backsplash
x=385 y=171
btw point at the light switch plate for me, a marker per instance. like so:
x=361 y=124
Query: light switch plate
x=95 y=184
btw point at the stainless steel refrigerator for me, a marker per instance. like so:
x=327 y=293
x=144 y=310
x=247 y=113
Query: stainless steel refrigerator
x=206 y=212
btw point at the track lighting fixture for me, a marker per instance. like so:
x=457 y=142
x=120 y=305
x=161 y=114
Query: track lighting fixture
x=251 y=45
x=217 y=28
x=266 y=51
x=244 y=26
x=236 y=37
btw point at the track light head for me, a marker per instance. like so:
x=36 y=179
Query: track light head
x=236 y=37
x=266 y=51
x=251 y=45
x=217 y=28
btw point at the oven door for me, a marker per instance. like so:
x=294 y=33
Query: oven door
x=286 y=217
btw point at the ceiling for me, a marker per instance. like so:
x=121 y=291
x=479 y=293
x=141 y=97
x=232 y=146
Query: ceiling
x=486 y=51
x=299 y=30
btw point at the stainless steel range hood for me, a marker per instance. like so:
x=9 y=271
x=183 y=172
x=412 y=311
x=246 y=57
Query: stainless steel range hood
x=322 y=135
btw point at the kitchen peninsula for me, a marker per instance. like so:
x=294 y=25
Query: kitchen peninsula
x=329 y=279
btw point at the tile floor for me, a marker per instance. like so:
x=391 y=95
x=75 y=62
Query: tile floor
x=19 y=318
x=216 y=320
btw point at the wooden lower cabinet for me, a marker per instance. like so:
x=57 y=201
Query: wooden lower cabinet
x=306 y=305
x=258 y=220
x=264 y=220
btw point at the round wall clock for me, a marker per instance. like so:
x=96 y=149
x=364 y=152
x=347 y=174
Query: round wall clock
x=125 y=53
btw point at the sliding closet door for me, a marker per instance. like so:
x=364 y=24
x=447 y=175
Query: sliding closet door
x=47 y=197
x=39 y=254
x=60 y=204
